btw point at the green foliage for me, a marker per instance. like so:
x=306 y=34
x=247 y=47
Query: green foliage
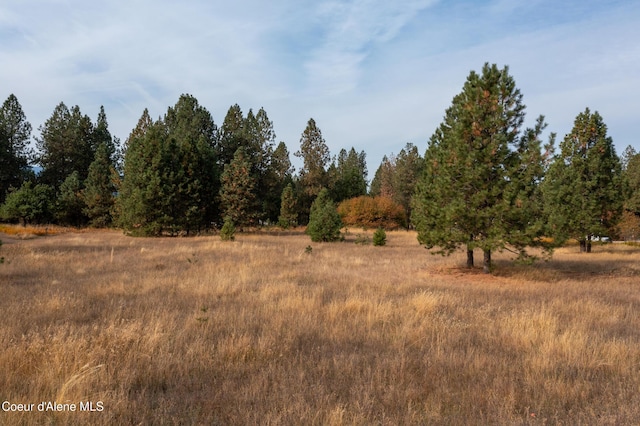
x=70 y=203
x=313 y=176
x=28 y=204
x=66 y=145
x=583 y=191
x=324 y=220
x=99 y=189
x=397 y=177
x=228 y=230
x=379 y=237
x=144 y=204
x=632 y=177
x=15 y=134
x=477 y=189
x=170 y=175
x=408 y=168
x=236 y=194
x=288 y=215
x=348 y=177
x=382 y=183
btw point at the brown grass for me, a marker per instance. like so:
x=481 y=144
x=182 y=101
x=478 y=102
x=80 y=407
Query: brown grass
x=256 y=331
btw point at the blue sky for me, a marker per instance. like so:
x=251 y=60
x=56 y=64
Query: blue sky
x=373 y=74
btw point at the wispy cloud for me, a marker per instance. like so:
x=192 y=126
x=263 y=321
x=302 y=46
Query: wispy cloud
x=350 y=30
x=374 y=74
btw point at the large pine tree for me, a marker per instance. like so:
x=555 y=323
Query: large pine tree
x=583 y=190
x=66 y=145
x=313 y=176
x=100 y=188
x=15 y=134
x=470 y=193
x=237 y=195
x=348 y=175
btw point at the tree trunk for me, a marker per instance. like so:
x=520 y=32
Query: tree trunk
x=583 y=246
x=469 y=258
x=589 y=244
x=486 y=266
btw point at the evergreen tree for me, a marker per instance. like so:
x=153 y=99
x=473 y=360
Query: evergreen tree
x=324 y=220
x=631 y=174
x=313 y=176
x=144 y=201
x=228 y=231
x=100 y=189
x=70 y=205
x=192 y=129
x=232 y=135
x=469 y=192
x=408 y=168
x=379 y=237
x=66 y=145
x=28 y=204
x=236 y=193
x=583 y=190
x=288 y=215
x=15 y=134
x=102 y=135
x=382 y=183
x=348 y=175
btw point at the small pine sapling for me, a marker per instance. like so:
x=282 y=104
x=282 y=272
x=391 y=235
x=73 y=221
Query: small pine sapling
x=379 y=237
x=228 y=231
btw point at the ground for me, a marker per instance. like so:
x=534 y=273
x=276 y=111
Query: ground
x=264 y=331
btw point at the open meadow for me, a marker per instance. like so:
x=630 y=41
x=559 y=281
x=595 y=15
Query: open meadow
x=264 y=331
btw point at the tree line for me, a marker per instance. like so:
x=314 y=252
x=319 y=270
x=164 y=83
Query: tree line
x=485 y=181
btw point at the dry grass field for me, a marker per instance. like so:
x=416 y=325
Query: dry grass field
x=258 y=331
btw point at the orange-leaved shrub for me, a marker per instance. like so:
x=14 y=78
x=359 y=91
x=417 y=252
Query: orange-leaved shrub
x=372 y=212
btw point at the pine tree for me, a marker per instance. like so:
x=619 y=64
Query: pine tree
x=408 y=169
x=70 y=205
x=631 y=174
x=348 y=176
x=100 y=189
x=382 y=183
x=379 y=237
x=236 y=192
x=195 y=134
x=313 y=176
x=144 y=202
x=288 y=215
x=467 y=193
x=28 y=204
x=15 y=134
x=232 y=135
x=324 y=220
x=583 y=190
x=66 y=145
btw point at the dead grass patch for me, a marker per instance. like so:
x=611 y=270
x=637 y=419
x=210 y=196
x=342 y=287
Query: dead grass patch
x=199 y=331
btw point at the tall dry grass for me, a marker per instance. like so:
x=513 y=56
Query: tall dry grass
x=258 y=331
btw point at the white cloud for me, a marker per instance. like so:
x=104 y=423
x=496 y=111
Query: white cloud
x=373 y=74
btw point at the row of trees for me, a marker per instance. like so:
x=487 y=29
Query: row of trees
x=177 y=174
x=484 y=182
x=490 y=184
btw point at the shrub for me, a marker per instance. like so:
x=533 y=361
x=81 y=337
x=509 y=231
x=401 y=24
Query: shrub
x=228 y=231
x=324 y=220
x=379 y=237
x=362 y=239
x=372 y=212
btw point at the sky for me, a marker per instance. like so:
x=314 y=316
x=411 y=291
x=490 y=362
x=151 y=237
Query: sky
x=373 y=74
